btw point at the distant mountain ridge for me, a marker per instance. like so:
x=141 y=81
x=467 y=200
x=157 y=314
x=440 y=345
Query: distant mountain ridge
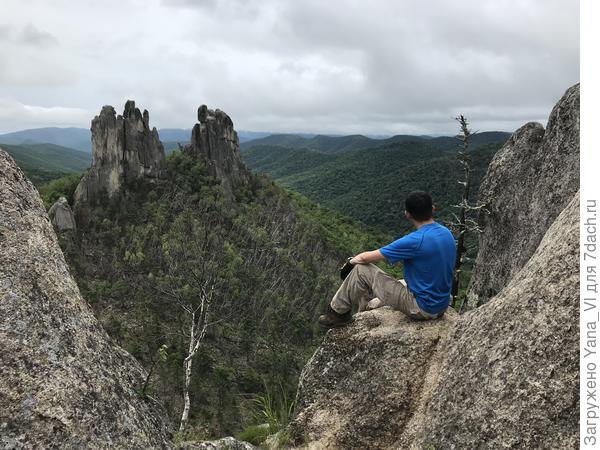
x=44 y=162
x=369 y=184
x=47 y=153
x=338 y=144
x=74 y=138
x=80 y=138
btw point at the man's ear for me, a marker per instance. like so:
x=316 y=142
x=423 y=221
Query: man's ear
x=433 y=207
x=407 y=215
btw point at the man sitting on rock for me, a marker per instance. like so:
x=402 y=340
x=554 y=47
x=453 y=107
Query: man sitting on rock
x=428 y=255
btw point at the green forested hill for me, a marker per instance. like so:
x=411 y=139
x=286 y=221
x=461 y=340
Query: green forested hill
x=270 y=260
x=371 y=184
x=44 y=162
x=279 y=161
x=75 y=138
x=339 y=144
x=329 y=144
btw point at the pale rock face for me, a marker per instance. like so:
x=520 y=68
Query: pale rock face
x=61 y=215
x=367 y=384
x=528 y=183
x=216 y=142
x=124 y=148
x=63 y=384
x=511 y=376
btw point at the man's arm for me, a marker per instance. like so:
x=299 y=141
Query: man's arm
x=367 y=257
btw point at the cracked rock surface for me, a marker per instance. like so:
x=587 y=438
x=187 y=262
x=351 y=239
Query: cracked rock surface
x=528 y=183
x=63 y=384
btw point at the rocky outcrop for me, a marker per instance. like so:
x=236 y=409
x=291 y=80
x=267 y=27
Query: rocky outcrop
x=61 y=215
x=216 y=142
x=124 y=148
x=510 y=378
x=367 y=384
x=502 y=376
x=63 y=384
x=227 y=443
x=527 y=185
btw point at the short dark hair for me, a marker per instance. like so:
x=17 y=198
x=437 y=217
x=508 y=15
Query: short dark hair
x=419 y=205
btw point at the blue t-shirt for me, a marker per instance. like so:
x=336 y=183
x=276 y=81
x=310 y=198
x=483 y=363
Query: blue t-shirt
x=428 y=255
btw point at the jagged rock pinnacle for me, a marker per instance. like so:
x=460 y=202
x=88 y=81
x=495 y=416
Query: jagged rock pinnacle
x=202 y=113
x=215 y=140
x=124 y=148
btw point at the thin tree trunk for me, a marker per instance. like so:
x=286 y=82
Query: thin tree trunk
x=460 y=242
x=462 y=218
x=187 y=367
x=187 y=364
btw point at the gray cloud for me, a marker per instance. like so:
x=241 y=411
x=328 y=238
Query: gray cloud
x=32 y=36
x=340 y=66
x=26 y=35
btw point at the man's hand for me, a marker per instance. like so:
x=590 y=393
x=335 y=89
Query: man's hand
x=367 y=257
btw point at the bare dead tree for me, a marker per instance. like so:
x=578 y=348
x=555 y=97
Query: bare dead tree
x=198 y=323
x=462 y=222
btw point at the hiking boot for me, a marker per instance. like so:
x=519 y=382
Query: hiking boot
x=333 y=319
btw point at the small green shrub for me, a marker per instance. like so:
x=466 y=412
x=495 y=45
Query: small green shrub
x=255 y=434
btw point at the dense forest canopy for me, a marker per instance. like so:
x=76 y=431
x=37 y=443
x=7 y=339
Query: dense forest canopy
x=371 y=184
x=270 y=257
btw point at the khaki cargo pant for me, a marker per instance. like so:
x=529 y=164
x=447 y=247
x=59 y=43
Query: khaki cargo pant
x=366 y=282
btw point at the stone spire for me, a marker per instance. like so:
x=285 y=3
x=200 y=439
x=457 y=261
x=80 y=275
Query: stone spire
x=124 y=148
x=215 y=140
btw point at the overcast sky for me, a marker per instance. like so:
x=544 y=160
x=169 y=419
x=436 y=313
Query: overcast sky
x=335 y=66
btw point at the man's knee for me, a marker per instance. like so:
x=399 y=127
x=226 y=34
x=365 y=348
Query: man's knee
x=365 y=274
x=366 y=269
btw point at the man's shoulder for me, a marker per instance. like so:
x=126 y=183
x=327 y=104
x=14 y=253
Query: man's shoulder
x=441 y=227
x=440 y=232
x=413 y=236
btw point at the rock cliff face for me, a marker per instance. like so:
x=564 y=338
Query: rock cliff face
x=61 y=215
x=528 y=184
x=62 y=382
x=504 y=375
x=369 y=381
x=216 y=142
x=124 y=148
x=511 y=376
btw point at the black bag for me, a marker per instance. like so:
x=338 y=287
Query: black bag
x=346 y=269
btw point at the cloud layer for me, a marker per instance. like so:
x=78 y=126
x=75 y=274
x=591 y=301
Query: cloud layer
x=342 y=66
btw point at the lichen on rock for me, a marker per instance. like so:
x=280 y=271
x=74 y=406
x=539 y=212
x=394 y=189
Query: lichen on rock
x=528 y=183
x=226 y=443
x=63 y=383
x=368 y=381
